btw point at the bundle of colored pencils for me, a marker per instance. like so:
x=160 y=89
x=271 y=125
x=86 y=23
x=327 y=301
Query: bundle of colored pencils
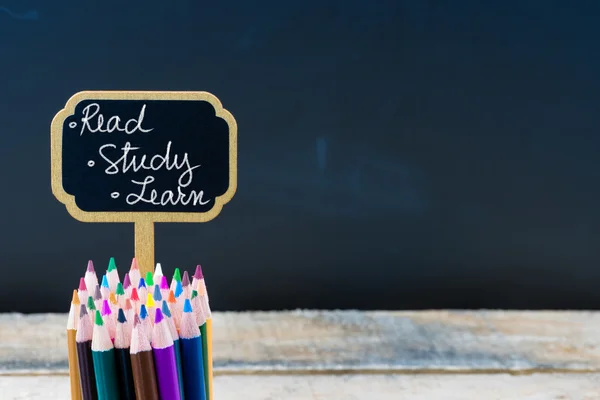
x=141 y=338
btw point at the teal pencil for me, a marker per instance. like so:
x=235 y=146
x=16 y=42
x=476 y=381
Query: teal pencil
x=105 y=367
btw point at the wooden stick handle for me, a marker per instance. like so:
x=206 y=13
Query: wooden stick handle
x=144 y=246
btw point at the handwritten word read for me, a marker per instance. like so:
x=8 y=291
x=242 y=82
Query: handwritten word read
x=123 y=159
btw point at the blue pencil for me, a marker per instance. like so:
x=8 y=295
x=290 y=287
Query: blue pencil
x=191 y=355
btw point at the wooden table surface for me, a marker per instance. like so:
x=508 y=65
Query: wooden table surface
x=335 y=355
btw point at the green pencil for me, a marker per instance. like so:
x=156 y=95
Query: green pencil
x=201 y=320
x=105 y=367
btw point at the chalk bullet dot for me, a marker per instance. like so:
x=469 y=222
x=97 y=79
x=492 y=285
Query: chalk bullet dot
x=91 y=163
x=72 y=125
x=114 y=195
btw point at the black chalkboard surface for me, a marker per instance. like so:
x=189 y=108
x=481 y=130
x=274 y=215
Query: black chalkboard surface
x=145 y=155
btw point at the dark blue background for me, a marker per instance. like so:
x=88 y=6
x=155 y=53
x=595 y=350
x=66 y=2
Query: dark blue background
x=392 y=154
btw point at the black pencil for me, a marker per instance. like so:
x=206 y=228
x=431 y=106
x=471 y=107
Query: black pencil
x=84 y=356
x=122 y=342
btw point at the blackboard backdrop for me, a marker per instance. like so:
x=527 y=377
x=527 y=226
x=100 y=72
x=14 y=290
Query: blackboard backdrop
x=392 y=154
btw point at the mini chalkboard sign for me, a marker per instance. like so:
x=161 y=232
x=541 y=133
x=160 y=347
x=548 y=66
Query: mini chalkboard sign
x=144 y=157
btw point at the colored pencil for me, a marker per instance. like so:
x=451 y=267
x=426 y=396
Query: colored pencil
x=84 y=356
x=135 y=300
x=164 y=287
x=146 y=322
x=113 y=303
x=150 y=306
x=82 y=292
x=176 y=278
x=129 y=313
x=72 y=346
x=175 y=311
x=105 y=368
x=201 y=321
x=108 y=319
x=185 y=284
x=91 y=280
x=105 y=287
x=192 y=355
x=134 y=273
x=150 y=282
x=142 y=290
x=127 y=284
x=208 y=358
x=122 y=354
x=120 y=294
x=142 y=363
x=91 y=308
x=113 y=274
x=97 y=298
x=175 y=336
x=158 y=273
x=206 y=330
x=164 y=359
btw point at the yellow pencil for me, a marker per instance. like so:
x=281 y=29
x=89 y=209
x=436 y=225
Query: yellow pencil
x=72 y=345
x=209 y=357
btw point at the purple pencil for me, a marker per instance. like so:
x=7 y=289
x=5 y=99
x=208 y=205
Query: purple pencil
x=164 y=359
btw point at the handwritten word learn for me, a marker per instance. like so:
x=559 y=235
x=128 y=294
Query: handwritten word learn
x=92 y=116
x=125 y=162
x=167 y=197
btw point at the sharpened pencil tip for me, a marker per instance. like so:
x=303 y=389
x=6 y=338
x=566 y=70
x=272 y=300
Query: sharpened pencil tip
x=165 y=309
x=97 y=293
x=150 y=301
x=112 y=298
x=128 y=304
x=194 y=293
x=119 y=290
x=121 y=316
x=149 y=279
x=126 y=281
x=164 y=285
x=177 y=275
x=157 y=294
x=187 y=306
x=158 y=270
x=105 y=281
x=98 y=319
x=158 y=317
x=134 y=264
x=106 y=308
x=136 y=320
x=75 y=298
x=82 y=285
x=90 y=266
x=90 y=304
x=178 y=289
x=82 y=311
x=142 y=283
x=198 y=274
x=143 y=312
x=171 y=298
x=111 y=264
x=134 y=295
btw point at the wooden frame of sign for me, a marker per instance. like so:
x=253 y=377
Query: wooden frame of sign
x=174 y=153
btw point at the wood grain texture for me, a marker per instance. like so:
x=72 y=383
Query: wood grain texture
x=355 y=387
x=326 y=341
